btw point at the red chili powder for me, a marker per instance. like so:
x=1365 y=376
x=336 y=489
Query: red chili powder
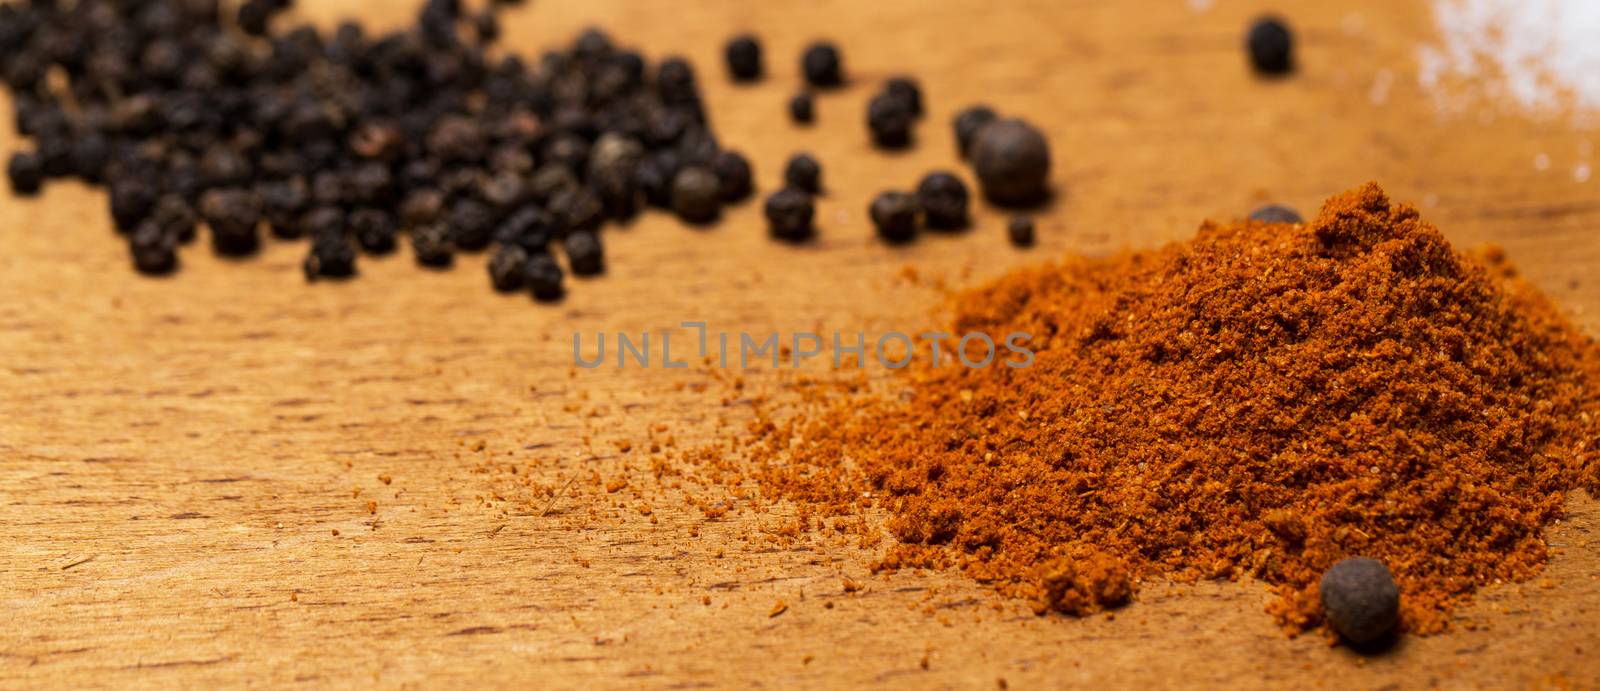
x=1262 y=400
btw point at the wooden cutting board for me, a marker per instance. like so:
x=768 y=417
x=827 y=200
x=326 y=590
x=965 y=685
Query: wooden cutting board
x=232 y=477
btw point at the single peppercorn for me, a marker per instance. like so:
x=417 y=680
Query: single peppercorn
x=233 y=215
x=154 y=250
x=577 y=208
x=505 y=267
x=1020 y=230
x=908 y=91
x=26 y=172
x=943 y=198
x=821 y=65
x=282 y=203
x=1012 y=160
x=1360 y=599
x=696 y=194
x=654 y=177
x=801 y=110
x=789 y=214
x=543 y=276
x=967 y=124
x=432 y=245
x=804 y=173
x=176 y=217
x=375 y=230
x=733 y=175
x=132 y=200
x=889 y=119
x=323 y=220
x=331 y=256
x=584 y=253
x=1271 y=47
x=471 y=224
x=1276 y=213
x=895 y=216
x=743 y=54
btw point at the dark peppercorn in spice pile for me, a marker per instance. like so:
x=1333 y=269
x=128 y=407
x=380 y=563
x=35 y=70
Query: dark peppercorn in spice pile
x=350 y=139
x=1265 y=399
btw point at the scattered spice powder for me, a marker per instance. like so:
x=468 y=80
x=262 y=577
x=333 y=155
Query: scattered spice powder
x=1262 y=400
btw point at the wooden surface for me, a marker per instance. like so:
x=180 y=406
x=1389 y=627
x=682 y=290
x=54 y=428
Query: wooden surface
x=186 y=464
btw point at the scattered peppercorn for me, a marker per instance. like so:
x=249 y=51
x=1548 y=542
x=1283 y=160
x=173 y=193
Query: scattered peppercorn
x=543 y=276
x=800 y=109
x=1276 y=213
x=804 y=173
x=432 y=245
x=889 y=119
x=1271 y=47
x=895 y=216
x=233 y=215
x=822 y=65
x=27 y=173
x=1012 y=160
x=695 y=195
x=743 y=54
x=584 y=253
x=789 y=214
x=943 y=198
x=505 y=267
x=153 y=249
x=967 y=124
x=733 y=175
x=1020 y=230
x=331 y=256
x=1360 y=599
x=909 y=93
x=375 y=230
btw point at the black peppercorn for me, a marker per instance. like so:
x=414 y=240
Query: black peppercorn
x=153 y=249
x=789 y=214
x=804 y=173
x=577 y=208
x=743 y=54
x=471 y=224
x=431 y=244
x=1276 y=213
x=584 y=253
x=530 y=227
x=543 y=276
x=175 y=217
x=943 y=198
x=132 y=200
x=26 y=172
x=233 y=215
x=696 y=194
x=1012 y=160
x=800 y=109
x=967 y=124
x=1020 y=230
x=821 y=65
x=653 y=178
x=889 y=120
x=733 y=175
x=323 y=220
x=909 y=93
x=895 y=216
x=1271 y=47
x=505 y=267
x=1360 y=599
x=282 y=203
x=331 y=256
x=375 y=230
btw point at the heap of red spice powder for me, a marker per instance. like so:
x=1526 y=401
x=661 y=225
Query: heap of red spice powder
x=1262 y=400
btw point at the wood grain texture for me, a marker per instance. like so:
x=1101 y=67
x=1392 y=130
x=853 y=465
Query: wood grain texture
x=186 y=463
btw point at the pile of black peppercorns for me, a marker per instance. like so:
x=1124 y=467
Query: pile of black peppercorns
x=189 y=117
